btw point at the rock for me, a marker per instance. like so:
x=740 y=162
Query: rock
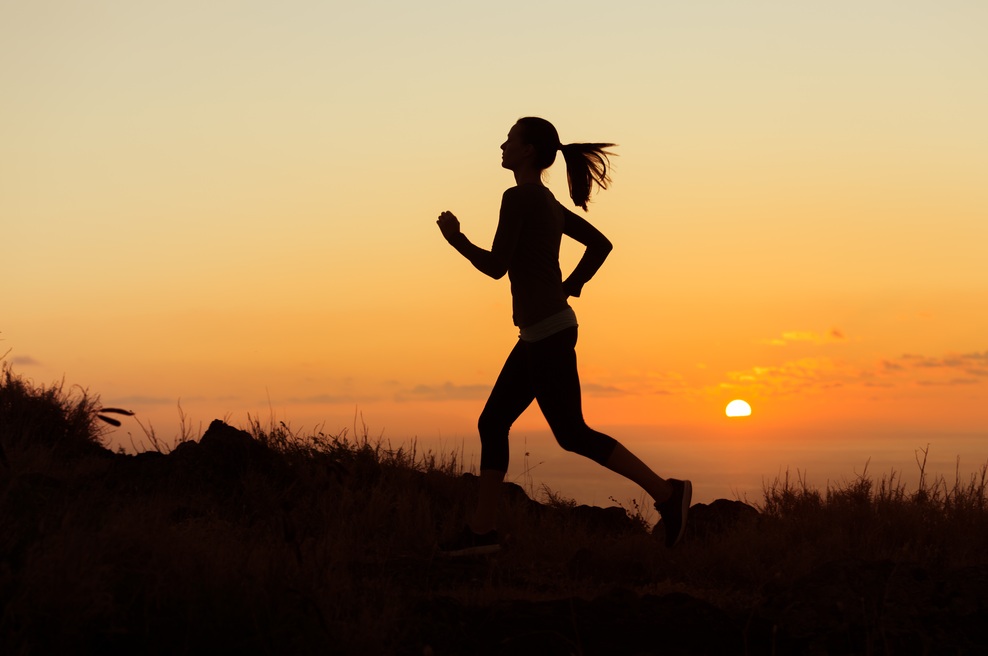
x=231 y=452
x=720 y=515
x=705 y=520
x=611 y=520
x=218 y=463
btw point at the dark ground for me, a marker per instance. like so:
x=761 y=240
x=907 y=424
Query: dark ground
x=80 y=573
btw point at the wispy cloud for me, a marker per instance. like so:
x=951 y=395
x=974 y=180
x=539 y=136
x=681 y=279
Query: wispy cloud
x=144 y=400
x=324 y=399
x=795 y=376
x=445 y=392
x=953 y=382
x=834 y=335
x=972 y=364
x=815 y=374
x=950 y=370
x=141 y=399
x=451 y=392
x=24 y=361
x=596 y=389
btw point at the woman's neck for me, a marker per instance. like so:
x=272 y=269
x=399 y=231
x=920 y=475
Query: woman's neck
x=528 y=175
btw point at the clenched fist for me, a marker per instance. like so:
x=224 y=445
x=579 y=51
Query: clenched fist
x=449 y=225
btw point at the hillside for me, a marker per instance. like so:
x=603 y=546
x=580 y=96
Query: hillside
x=267 y=541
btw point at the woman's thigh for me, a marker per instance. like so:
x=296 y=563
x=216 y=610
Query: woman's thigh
x=556 y=379
x=513 y=391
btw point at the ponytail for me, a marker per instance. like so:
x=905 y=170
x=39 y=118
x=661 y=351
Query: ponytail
x=586 y=163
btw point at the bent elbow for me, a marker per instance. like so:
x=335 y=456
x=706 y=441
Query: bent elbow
x=495 y=268
x=492 y=270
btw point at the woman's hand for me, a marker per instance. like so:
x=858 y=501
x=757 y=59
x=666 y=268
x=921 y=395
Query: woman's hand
x=449 y=225
x=571 y=288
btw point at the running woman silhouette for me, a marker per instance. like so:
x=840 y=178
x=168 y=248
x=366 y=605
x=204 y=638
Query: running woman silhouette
x=542 y=365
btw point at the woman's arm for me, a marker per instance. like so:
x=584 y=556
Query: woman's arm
x=494 y=262
x=598 y=248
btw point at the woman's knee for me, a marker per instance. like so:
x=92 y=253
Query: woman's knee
x=587 y=443
x=493 y=433
x=493 y=446
x=572 y=444
x=490 y=424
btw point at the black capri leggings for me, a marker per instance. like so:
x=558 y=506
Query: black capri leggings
x=546 y=372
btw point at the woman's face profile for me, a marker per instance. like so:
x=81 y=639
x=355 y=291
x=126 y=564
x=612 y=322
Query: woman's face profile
x=514 y=150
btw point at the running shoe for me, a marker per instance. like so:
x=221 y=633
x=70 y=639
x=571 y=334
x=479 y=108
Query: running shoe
x=674 y=510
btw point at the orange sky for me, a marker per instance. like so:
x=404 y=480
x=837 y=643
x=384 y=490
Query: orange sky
x=233 y=206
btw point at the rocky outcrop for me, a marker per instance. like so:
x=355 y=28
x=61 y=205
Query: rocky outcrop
x=719 y=516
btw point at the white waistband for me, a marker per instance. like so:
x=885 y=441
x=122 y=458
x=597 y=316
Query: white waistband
x=549 y=326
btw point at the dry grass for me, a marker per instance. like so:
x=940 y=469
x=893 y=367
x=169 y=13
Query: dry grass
x=326 y=544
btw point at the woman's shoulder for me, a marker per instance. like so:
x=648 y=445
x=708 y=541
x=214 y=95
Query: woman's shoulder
x=528 y=193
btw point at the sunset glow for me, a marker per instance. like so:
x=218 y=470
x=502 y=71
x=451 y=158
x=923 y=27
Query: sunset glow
x=230 y=209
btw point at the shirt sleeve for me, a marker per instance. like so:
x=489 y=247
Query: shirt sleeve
x=494 y=262
x=598 y=248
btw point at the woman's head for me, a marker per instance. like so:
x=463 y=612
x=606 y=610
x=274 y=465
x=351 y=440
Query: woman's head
x=586 y=163
x=541 y=135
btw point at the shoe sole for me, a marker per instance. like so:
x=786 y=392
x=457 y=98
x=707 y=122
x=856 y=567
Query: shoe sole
x=483 y=550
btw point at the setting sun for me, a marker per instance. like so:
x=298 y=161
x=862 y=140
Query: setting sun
x=738 y=408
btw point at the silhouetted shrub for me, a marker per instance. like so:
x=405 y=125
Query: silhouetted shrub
x=65 y=421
